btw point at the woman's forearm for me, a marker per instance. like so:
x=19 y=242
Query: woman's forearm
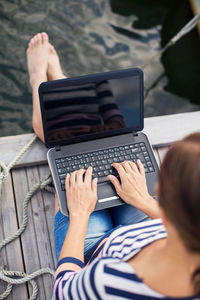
x=150 y=207
x=73 y=245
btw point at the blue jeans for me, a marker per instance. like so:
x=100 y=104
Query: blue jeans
x=101 y=223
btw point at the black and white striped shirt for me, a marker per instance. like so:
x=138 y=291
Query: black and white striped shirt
x=108 y=275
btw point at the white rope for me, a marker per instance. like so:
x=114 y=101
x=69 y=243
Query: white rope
x=42 y=184
x=4 y=170
x=6 y=275
x=22 y=152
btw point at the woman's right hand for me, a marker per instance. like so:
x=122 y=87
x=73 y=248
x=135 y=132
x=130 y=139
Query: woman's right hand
x=133 y=188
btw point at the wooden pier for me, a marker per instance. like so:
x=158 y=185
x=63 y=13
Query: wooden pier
x=34 y=249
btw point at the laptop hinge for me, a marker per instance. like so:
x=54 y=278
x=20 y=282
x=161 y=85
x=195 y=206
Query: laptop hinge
x=57 y=147
x=135 y=134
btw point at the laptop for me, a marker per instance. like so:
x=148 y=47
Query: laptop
x=95 y=120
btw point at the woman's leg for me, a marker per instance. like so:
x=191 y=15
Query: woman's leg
x=43 y=65
x=126 y=215
x=99 y=224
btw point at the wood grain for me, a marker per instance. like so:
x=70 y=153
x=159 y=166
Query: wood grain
x=41 y=237
x=28 y=239
x=48 y=199
x=13 y=260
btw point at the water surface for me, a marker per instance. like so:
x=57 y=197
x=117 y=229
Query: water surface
x=90 y=36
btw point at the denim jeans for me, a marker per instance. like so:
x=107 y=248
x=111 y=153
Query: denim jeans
x=101 y=223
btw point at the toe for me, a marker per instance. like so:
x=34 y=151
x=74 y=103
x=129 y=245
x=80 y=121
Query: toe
x=52 y=49
x=38 y=38
x=33 y=41
x=30 y=45
x=45 y=37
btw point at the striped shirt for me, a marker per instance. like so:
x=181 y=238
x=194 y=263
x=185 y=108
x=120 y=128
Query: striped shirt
x=108 y=275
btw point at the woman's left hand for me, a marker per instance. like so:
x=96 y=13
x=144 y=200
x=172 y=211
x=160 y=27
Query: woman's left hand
x=81 y=193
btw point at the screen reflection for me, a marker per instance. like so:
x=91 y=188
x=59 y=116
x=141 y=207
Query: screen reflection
x=94 y=107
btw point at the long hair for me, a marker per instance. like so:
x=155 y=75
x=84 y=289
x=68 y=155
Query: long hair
x=180 y=194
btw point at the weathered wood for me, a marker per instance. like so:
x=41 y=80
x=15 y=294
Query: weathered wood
x=162 y=152
x=162 y=130
x=41 y=237
x=28 y=238
x=155 y=150
x=10 y=146
x=3 y=257
x=14 y=259
x=48 y=199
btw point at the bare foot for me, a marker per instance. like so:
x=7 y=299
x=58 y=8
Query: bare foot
x=37 y=58
x=54 y=70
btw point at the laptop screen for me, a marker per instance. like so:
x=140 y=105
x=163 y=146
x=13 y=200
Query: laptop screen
x=91 y=106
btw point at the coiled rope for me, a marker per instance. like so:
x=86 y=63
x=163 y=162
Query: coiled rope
x=6 y=275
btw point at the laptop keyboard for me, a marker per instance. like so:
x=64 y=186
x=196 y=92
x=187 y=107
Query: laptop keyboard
x=102 y=161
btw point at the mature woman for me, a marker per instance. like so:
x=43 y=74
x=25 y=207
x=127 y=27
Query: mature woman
x=148 y=259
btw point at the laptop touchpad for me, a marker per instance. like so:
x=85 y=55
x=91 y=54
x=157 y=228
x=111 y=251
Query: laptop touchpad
x=106 y=192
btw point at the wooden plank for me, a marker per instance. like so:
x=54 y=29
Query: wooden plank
x=28 y=238
x=162 y=130
x=42 y=238
x=155 y=150
x=11 y=145
x=13 y=250
x=3 y=256
x=48 y=199
x=162 y=152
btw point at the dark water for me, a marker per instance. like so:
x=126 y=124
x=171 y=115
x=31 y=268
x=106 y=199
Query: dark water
x=94 y=36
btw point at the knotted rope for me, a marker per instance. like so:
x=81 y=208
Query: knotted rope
x=4 y=170
x=6 y=275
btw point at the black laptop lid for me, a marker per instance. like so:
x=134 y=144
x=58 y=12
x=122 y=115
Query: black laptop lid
x=92 y=106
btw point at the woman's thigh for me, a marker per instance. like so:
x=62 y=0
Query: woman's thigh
x=126 y=215
x=99 y=224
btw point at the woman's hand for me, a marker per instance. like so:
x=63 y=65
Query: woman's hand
x=133 y=188
x=81 y=193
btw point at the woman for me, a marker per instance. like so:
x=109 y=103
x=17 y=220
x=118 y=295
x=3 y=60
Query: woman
x=149 y=260
x=157 y=258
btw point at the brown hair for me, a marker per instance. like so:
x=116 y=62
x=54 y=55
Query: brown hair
x=180 y=193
